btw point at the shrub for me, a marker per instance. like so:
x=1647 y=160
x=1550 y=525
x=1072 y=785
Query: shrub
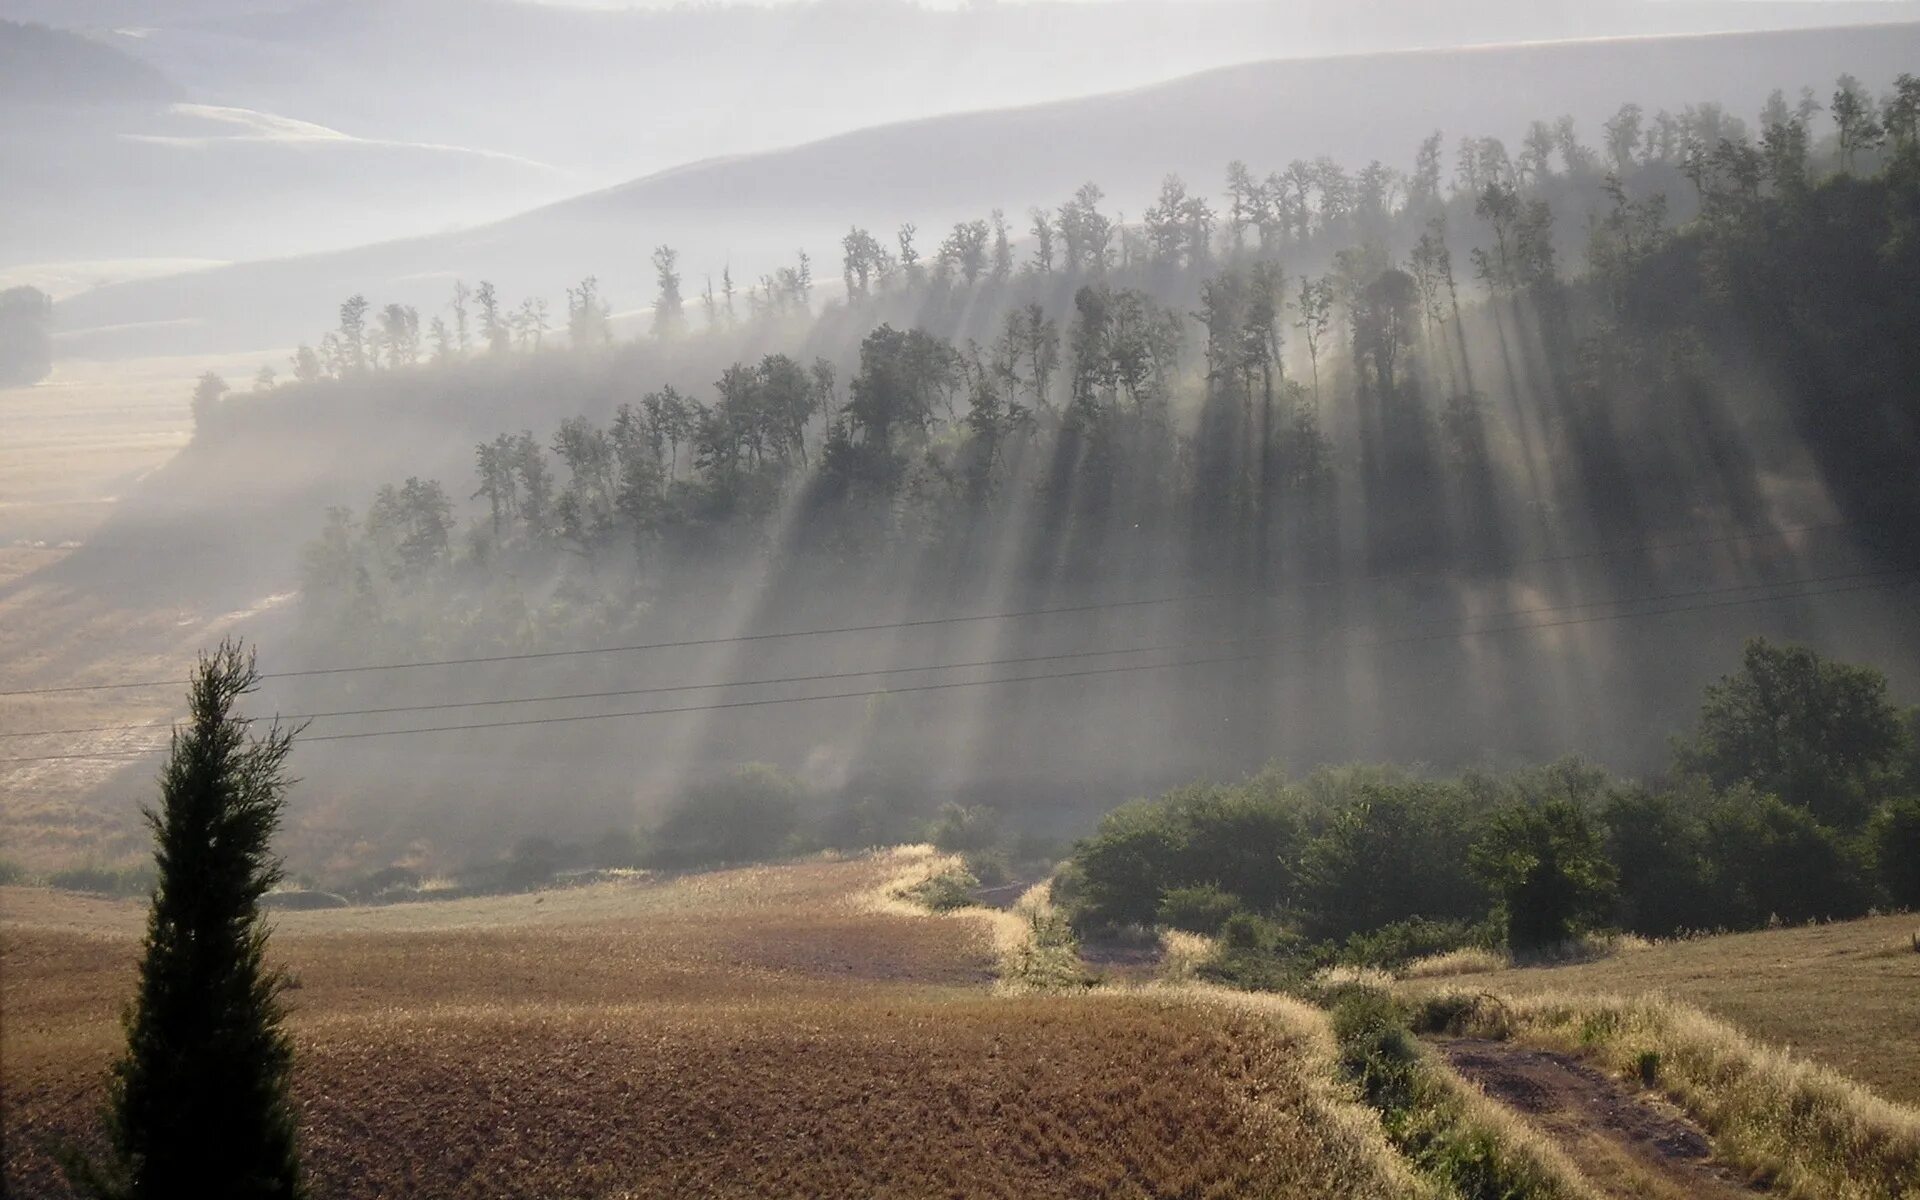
x=11 y=872
x=965 y=829
x=1242 y=839
x=1546 y=861
x=1656 y=844
x=1395 y=945
x=990 y=867
x=1895 y=837
x=1243 y=932
x=1200 y=909
x=751 y=815
x=1261 y=955
x=1770 y=859
x=944 y=892
x=1396 y=851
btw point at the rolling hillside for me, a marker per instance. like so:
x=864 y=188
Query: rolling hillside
x=750 y=212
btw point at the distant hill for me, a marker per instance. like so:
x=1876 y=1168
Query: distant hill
x=751 y=212
x=43 y=66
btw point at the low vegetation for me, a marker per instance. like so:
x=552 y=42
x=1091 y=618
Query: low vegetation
x=1814 y=1132
x=1453 y=1135
x=1380 y=869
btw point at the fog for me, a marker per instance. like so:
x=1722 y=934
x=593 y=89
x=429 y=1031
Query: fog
x=1526 y=514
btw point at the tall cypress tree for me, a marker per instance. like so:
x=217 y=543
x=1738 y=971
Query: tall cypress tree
x=199 y=1103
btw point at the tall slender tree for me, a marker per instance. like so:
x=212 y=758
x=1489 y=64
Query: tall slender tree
x=198 y=1105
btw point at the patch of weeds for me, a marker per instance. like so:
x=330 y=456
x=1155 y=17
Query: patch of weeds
x=1426 y=1115
x=943 y=892
x=1048 y=958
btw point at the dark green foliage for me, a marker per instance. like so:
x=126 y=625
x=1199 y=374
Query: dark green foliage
x=1657 y=843
x=1377 y=1050
x=1259 y=955
x=1821 y=735
x=1395 y=852
x=11 y=872
x=1548 y=865
x=1894 y=835
x=1242 y=840
x=198 y=1105
x=1421 y=1116
x=751 y=815
x=1401 y=942
x=965 y=829
x=1770 y=860
x=991 y=867
x=1202 y=908
x=944 y=893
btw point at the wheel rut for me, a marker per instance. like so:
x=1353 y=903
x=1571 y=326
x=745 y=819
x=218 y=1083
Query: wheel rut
x=1628 y=1142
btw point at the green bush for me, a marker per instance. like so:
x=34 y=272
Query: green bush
x=1395 y=945
x=1894 y=835
x=1260 y=955
x=990 y=867
x=11 y=872
x=944 y=892
x=1393 y=852
x=1547 y=862
x=965 y=829
x=1203 y=908
x=1769 y=859
x=1242 y=839
x=1656 y=842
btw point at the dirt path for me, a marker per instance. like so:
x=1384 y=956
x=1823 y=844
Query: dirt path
x=1627 y=1143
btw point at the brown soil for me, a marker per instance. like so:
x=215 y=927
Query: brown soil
x=1628 y=1142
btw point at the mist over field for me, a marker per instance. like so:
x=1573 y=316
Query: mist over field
x=1532 y=450
x=1019 y=598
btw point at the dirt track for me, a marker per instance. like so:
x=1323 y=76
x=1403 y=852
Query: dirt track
x=1629 y=1144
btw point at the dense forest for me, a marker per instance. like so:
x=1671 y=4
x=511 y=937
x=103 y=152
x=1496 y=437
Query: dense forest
x=1535 y=388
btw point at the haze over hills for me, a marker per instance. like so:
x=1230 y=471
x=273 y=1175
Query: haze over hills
x=429 y=128
x=750 y=213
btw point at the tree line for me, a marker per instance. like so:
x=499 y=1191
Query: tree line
x=1796 y=797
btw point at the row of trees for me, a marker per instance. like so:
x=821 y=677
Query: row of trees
x=1307 y=209
x=1796 y=797
x=1223 y=423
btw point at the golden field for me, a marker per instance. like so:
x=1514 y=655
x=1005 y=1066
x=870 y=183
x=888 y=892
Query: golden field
x=758 y=1032
x=70 y=447
x=1846 y=995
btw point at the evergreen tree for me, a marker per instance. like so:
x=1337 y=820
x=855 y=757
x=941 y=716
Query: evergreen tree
x=199 y=1105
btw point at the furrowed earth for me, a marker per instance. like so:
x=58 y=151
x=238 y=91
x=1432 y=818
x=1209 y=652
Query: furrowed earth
x=755 y=1032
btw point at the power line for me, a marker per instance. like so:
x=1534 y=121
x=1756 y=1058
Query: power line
x=1079 y=674
x=1014 y=660
x=924 y=622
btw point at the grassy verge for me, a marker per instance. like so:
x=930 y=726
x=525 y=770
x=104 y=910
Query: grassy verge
x=1458 y=1140
x=1813 y=1131
x=1033 y=945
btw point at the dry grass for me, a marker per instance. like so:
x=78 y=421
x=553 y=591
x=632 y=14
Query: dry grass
x=755 y=1032
x=1471 y=961
x=1817 y=1133
x=1846 y=995
x=1182 y=954
x=1457 y=1110
x=73 y=446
